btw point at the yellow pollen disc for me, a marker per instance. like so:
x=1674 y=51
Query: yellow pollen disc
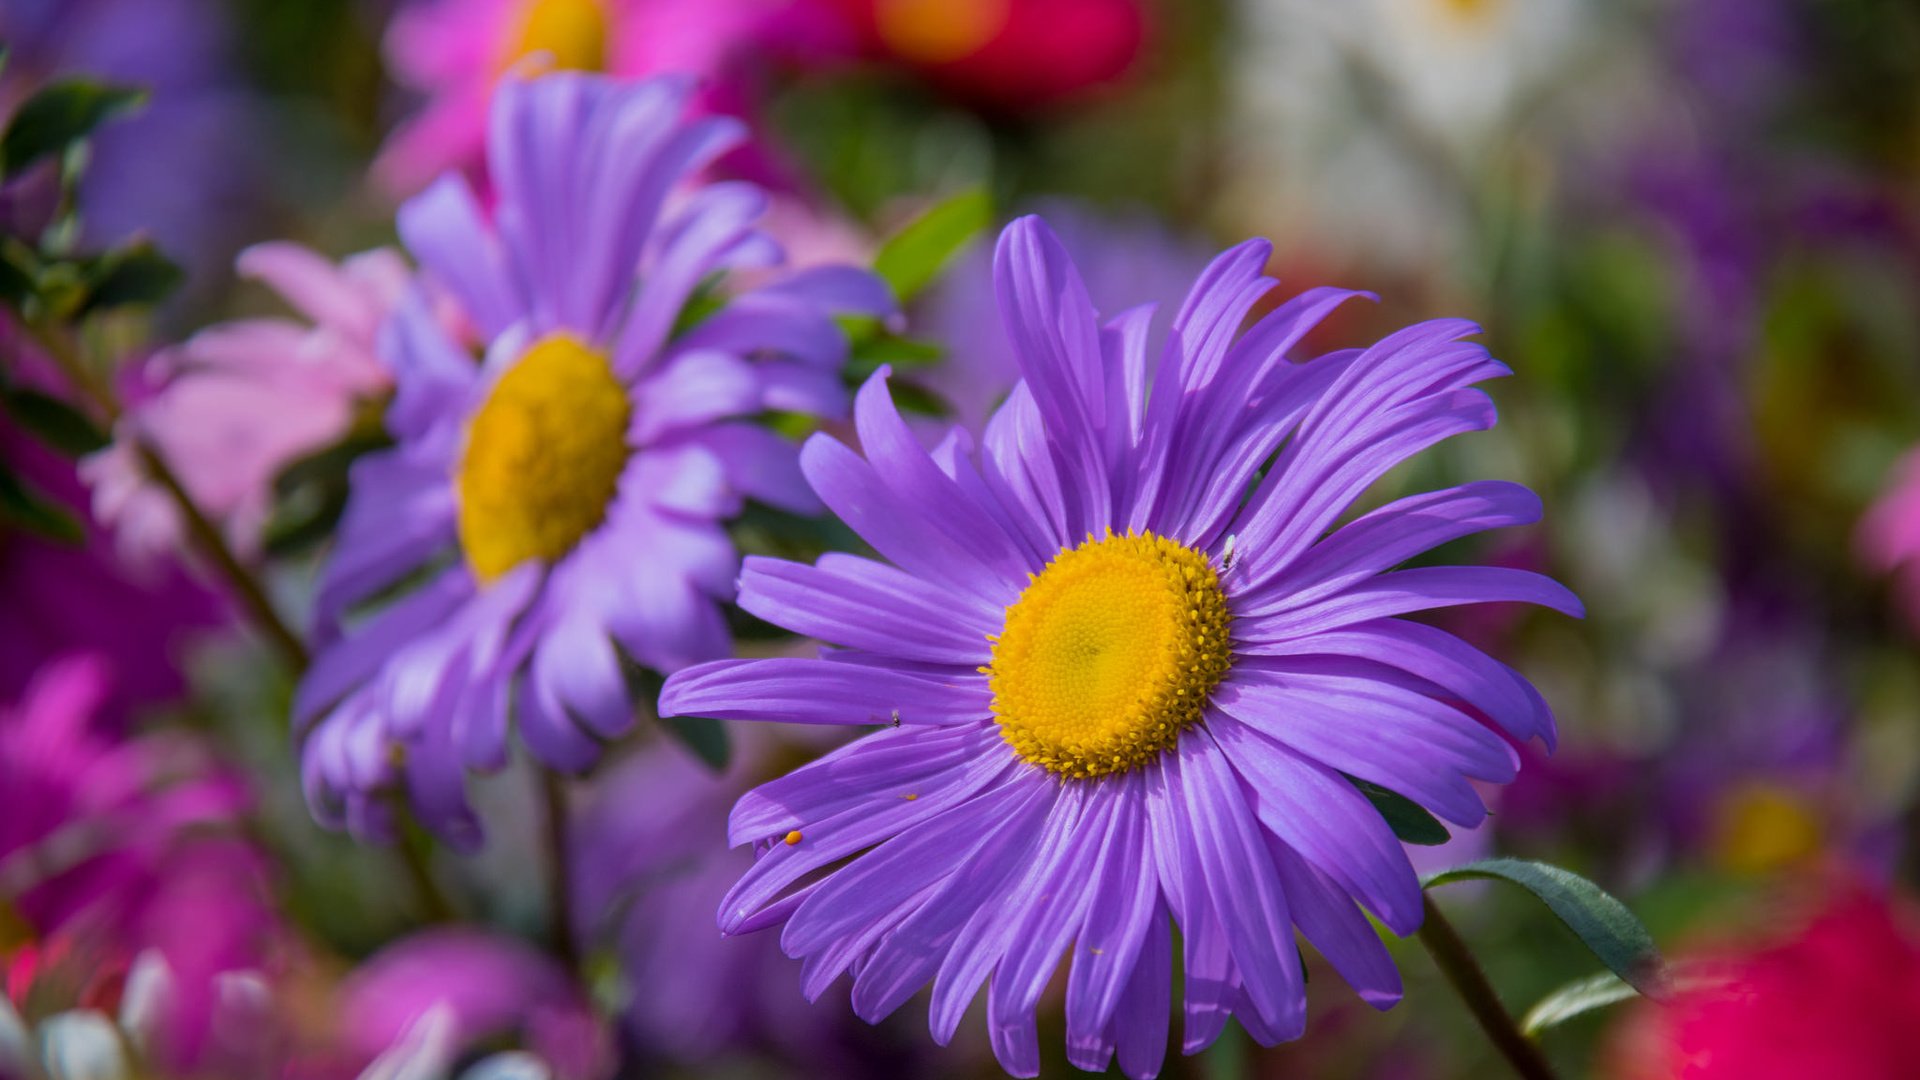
x=793 y=838
x=939 y=31
x=573 y=32
x=1109 y=654
x=543 y=457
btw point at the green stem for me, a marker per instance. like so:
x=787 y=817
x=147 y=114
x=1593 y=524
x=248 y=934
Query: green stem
x=553 y=789
x=203 y=532
x=1451 y=956
x=213 y=545
x=414 y=848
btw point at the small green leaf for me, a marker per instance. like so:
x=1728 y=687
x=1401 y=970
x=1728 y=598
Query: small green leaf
x=1574 y=999
x=912 y=257
x=36 y=513
x=60 y=115
x=53 y=422
x=1602 y=923
x=705 y=736
x=1410 y=821
x=1598 y=991
x=914 y=398
x=902 y=353
x=18 y=268
x=135 y=274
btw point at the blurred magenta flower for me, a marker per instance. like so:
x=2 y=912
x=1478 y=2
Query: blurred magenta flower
x=239 y=402
x=580 y=475
x=455 y=52
x=1004 y=54
x=110 y=847
x=491 y=988
x=1182 y=691
x=1837 y=999
x=1889 y=535
x=64 y=600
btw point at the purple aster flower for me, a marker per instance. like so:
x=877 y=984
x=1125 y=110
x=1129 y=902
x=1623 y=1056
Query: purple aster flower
x=1126 y=666
x=560 y=503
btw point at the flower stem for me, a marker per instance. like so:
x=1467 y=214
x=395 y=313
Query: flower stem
x=1450 y=955
x=553 y=789
x=246 y=587
x=412 y=847
x=205 y=535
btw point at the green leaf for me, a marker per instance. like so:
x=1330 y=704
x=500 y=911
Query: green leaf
x=916 y=254
x=902 y=353
x=1600 y=990
x=134 y=274
x=53 y=422
x=30 y=510
x=18 y=268
x=1575 y=999
x=1602 y=923
x=60 y=115
x=705 y=736
x=914 y=398
x=1410 y=821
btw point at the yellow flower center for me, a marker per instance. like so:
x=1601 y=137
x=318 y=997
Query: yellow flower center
x=573 y=32
x=1759 y=828
x=544 y=455
x=938 y=31
x=1109 y=654
x=1470 y=14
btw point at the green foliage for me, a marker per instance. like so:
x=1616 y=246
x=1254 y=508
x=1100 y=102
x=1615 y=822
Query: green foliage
x=705 y=736
x=1603 y=924
x=22 y=506
x=1597 y=991
x=1410 y=821
x=912 y=257
x=59 y=116
x=52 y=421
x=132 y=274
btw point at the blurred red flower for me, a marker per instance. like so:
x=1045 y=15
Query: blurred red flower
x=1008 y=54
x=1839 y=999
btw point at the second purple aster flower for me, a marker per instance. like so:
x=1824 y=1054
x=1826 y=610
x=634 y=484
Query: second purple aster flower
x=556 y=507
x=1130 y=659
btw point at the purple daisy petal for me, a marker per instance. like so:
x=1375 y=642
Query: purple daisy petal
x=822 y=692
x=866 y=605
x=447 y=231
x=1326 y=914
x=1422 y=748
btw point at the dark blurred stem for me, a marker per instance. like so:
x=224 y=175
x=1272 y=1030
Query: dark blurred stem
x=415 y=850
x=246 y=587
x=205 y=535
x=1463 y=971
x=553 y=787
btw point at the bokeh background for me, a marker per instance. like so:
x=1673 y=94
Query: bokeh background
x=1692 y=228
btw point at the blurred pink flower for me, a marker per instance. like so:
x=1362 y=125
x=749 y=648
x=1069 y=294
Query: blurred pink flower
x=111 y=847
x=453 y=51
x=65 y=599
x=1838 y=999
x=488 y=986
x=240 y=401
x=1889 y=536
